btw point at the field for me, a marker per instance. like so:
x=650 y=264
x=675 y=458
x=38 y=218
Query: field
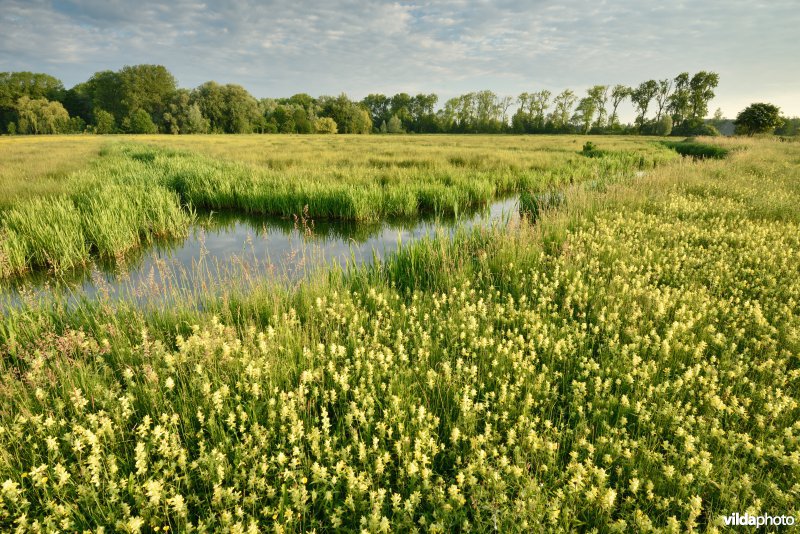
x=135 y=192
x=624 y=358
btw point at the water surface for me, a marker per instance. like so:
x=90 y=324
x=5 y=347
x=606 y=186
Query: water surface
x=233 y=246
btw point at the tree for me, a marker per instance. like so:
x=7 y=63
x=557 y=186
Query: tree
x=599 y=97
x=40 y=116
x=241 y=108
x=663 y=126
x=505 y=103
x=758 y=118
x=103 y=122
x=563 y=103
x=349 y=116
x=140 y=122
x=701 y=92
x=618 y=94
x=211 y=100
x=146 y=87
x=584 y=114
x=538 y=104
x=78 y=102
x=104 y=91
x=790 y=127
x=641 y=98
x=394 y=126
x=228 y=108
x=679 y=105
x=301 y=121
x=662 y=97
x=378 y=106
x=183 y=115
x=325 y=125
x=34 y=85
x=422 y=114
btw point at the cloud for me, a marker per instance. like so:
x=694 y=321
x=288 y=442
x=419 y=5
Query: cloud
x=279 y=47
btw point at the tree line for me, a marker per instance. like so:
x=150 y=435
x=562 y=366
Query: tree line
x=146 y=99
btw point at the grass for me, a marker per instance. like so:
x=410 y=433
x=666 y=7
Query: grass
x=135 y=192
x=697 y=150
x=36 y=166
x=628 y=363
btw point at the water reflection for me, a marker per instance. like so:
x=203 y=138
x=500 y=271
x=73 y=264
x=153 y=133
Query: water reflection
x=222 y=247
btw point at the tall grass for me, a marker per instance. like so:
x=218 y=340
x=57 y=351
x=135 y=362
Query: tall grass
x=135 y=191
x=641 y=376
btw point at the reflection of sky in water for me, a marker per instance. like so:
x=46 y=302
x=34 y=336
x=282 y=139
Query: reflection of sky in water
x=235 y=247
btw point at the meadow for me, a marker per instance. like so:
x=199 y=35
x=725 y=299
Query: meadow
x=134 y=192
x=624 y=359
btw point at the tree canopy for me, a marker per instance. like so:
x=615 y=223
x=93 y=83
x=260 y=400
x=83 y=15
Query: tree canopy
x=146 y=98
x=758 y=118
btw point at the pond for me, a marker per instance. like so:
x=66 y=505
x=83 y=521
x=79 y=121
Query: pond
x=225 y=247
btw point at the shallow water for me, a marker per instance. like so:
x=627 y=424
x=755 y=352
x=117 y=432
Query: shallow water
x=222 y=247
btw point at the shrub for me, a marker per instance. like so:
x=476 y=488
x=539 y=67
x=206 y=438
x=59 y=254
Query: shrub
x=325 y=125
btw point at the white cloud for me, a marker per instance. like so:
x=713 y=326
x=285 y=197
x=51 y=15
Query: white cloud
x=359 y=46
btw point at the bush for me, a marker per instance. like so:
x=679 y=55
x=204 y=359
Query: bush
x=325 y=125
x=697 y=150
x=695 y=127
x=103 y=122
x=140 y=122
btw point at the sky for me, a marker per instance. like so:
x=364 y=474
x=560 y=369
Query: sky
x=449 y=47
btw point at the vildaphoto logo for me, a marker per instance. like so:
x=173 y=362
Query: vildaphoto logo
x=763 y=520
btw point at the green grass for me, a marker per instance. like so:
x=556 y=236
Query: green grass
x=628 y=363
x=134 y=191
x=697 y=150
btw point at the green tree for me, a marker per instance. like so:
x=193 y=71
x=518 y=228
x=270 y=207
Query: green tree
x=40 y=116
x=599 y=97
x=758 y=118
x=641 y=98
x=228 y=108
x=379 y=107
x=422 y=112
x=104 y=91
x=349 y=116
x=325 y=125
x=662 y=98
x=618 y=94
x=584 y=114
x=701 y=92
x=663 y=126
x=394 y=126
x=242 y=109
x=34 y=85
x=563 y=104
x=146 y=87
x=301 y=120
x=210 y=98
x=103 y=122
x=538 y=105
x=140 y=122
x=78 y=102
x=679 y=101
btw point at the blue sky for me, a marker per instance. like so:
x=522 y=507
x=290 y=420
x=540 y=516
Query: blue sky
x=277 y=48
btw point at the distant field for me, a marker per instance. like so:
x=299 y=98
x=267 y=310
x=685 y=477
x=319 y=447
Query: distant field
x=38 y=165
